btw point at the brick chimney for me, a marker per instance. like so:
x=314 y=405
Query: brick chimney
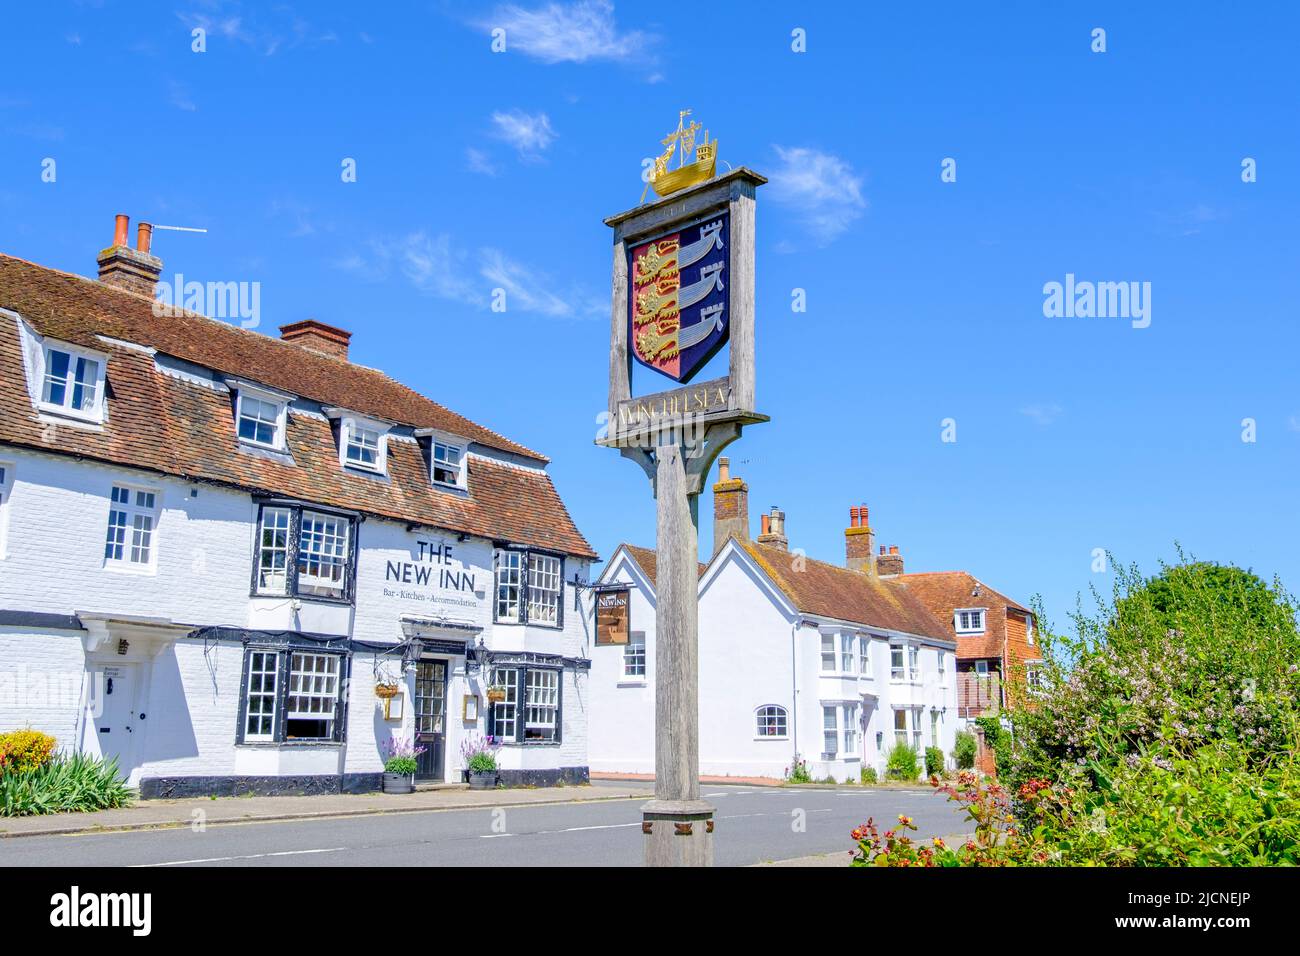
x=730 y=507
x=858 y=541
x=889 y=563
x=318 y=337
x=134 y=270
x=773 y=532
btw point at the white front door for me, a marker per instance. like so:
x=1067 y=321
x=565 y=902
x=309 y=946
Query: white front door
x=111 y=722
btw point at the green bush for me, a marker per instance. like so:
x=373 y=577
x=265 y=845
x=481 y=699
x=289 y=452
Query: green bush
x=902 y=763
x=933 y=761
x=869 y=775
x=964 y=750
x=64 y=782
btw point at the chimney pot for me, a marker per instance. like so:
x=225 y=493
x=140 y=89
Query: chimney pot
x=882 y=549
x=765 y=525
x=893 y=549
x=132 y=270
x=724 y=469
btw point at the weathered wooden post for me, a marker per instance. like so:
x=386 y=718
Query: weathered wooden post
x=683 y=286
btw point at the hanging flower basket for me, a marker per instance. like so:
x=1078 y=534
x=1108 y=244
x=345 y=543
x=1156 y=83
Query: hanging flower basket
x=496 y=694
x=386 y=691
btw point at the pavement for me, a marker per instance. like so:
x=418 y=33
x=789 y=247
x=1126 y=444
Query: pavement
x=597 y=825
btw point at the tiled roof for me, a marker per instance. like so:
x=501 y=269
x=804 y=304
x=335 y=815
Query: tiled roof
x=945 y=591
x=161 y=423
x=648 y=560
x=827 y=590
x=76 y=310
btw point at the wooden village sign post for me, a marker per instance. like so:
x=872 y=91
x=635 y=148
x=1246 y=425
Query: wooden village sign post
x=683 y=286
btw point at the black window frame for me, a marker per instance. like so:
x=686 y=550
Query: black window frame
x=284 y=656
x=521 y=704
x=525 y=555
x=295 y=509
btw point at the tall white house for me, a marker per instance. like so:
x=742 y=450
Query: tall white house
x=798 y=659
x=242 y=564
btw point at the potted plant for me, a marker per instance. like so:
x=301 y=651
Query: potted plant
x=386 y=691
x=400 y=766
x=480 y=756
x=496 y=693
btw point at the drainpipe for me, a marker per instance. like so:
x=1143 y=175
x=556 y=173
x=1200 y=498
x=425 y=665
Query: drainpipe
x=794 y=690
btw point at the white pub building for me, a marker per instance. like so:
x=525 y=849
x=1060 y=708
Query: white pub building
x=221 y=553
x=798 y=659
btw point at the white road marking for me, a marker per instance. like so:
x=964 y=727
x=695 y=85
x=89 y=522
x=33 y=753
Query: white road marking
x=250 y=856
x=623 y=826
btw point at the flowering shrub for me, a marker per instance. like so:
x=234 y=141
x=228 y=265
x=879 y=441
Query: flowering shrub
x=401 y=757
x=1167 y=733
x=480 y=753
x=22 y=751
x=798 y=772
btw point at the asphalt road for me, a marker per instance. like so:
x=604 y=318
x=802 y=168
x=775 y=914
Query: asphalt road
x=754 y=824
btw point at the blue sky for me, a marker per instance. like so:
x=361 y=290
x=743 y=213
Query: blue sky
x=479 y=170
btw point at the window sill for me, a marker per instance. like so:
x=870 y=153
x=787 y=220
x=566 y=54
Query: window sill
x=632 y=682
x=364 y=471
x=61 y=411
x=312 y=598
x=295 y=744
x=786 y=737
x=126 y=567
x=530 y=743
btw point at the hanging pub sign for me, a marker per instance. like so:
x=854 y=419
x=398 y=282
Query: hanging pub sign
x=612 y=616
x=677 y=297
x=683 y=288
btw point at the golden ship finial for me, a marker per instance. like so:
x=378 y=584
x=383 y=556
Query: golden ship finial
x=695 y=164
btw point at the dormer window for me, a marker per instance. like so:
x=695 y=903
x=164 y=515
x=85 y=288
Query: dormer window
x=259 y=419
x=364 y=445
x=969 y=620
x=448 y=464
x=72 y=383
x=447 y=455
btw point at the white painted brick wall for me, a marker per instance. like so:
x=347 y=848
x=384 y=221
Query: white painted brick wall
x=57 y=519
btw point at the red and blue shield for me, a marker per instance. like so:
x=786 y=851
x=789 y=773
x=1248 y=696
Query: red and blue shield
x=678 y=298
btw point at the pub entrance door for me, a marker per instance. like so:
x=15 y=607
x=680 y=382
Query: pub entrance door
x=431 y=718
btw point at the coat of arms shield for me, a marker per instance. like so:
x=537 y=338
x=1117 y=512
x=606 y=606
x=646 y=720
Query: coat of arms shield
x=679 y=298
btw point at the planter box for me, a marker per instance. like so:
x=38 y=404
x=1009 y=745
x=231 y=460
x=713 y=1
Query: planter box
x=399 y=783
x=483 y=779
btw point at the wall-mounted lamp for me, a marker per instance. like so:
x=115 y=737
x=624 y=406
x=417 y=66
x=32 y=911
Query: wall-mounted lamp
x=122 y=647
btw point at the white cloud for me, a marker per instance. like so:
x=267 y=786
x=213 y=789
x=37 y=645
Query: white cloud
x=530 y=133
x=266 y=30
x=1042 y=414
x=438 y=266
x=180 y=98
x=823 y=187
x=477 y=161
x=569 y=32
